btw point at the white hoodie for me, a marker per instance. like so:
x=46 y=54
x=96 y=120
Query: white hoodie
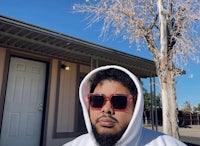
x=135 y=134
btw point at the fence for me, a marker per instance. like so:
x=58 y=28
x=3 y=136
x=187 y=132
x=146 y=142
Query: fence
x=191 y=118
x=183 y=118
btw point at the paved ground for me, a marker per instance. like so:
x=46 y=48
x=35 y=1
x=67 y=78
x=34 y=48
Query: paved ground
x=189 y=134
x=190 y=130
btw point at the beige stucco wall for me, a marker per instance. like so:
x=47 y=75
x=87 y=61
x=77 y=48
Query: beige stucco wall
x=67 y=99
x=85 y=69
x=52 y=99
x=2 y=62
x=66 y=103
x=68 y=92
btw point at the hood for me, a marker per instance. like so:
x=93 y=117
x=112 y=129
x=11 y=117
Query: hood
x=134 y=128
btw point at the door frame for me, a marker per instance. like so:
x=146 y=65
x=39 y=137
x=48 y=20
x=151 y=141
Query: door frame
x=28 y=56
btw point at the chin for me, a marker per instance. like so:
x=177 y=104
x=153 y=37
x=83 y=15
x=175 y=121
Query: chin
x=107 y=137
x=107 y=131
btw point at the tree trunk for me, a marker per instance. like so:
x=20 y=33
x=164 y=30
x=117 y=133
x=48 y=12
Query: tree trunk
x=166 y=74
x=145 y=118
x=168 y=94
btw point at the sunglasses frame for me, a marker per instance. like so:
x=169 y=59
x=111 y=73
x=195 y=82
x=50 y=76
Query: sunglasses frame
x=108 y=98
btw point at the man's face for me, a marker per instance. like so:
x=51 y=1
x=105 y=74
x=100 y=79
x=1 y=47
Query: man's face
x=107 y=120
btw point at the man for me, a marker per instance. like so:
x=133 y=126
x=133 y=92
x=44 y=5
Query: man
x=112 y=102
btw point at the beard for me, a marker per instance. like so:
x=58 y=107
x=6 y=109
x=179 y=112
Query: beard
x=107 y=139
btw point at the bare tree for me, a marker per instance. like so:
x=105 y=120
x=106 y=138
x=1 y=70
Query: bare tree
x=186 y=107
x=168 y=28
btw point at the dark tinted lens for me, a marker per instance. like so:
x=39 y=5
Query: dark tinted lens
x=96 y=101
x=119 y=101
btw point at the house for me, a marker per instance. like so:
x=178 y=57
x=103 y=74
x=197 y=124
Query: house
x=40 y=72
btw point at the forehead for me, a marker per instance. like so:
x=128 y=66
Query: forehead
x=109 y=81
x=112 y=87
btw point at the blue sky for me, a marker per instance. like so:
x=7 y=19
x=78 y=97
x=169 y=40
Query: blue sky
x=57 y=15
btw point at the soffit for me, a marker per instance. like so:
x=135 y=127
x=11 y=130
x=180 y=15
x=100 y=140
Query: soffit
x=27 y=37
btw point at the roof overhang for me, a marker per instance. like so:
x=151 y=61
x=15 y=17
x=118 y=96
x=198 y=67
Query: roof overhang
x=23 y=36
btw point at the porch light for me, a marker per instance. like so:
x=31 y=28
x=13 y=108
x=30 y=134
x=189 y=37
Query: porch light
x=65 y=67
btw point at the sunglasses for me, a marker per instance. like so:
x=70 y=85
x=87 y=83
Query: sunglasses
x=118 y=101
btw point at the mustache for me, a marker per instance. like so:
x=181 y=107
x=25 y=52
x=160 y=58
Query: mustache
x=106 y=116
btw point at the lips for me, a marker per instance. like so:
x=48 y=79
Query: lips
x=107 y=122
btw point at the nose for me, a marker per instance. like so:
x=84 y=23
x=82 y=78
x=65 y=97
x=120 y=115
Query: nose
x=107 y=108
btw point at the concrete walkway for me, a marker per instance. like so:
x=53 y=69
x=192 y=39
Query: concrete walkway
x=190 y=134
x=190 y=130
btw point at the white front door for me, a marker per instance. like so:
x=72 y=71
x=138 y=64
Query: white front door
x=22 y=116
